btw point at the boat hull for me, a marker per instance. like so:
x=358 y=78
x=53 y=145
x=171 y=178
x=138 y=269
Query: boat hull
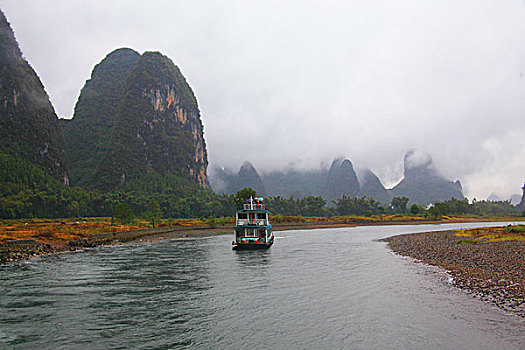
x=252 y=246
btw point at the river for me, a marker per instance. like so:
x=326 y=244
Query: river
x=314 y=289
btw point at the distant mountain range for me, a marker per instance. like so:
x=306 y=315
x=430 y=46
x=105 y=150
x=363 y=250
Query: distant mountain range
x=421 y=183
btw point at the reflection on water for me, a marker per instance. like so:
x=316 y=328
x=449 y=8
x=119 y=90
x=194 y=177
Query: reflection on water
x=255 y=258
x=317 y=289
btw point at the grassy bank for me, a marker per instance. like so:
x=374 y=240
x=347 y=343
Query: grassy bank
x=27 y=238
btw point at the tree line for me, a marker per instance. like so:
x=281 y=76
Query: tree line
x=27 y=191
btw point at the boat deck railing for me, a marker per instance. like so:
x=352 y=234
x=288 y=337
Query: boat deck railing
x=258 y=222
x=252 y=206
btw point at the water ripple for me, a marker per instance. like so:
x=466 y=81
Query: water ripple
x=316 y=289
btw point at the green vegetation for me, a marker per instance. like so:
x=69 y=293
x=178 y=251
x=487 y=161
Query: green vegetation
x=514 y=229
x=212 y=222
x=493 y=234
x=28 y=191
x=476 y=208
x=29 y=128
x=243 y=195
x=123 y=213
x=136 y=146
x=415 y=209
x=399 y=204
x=97 y=110
x=154 y=213
x=143 y=122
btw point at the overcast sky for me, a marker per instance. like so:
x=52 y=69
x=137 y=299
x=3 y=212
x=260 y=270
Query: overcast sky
x=297 y=83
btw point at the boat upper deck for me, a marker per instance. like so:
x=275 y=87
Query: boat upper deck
x=253 y=206
x=252 y=214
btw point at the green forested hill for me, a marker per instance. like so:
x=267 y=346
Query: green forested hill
x=135 y=117
x=29 y=129
x=96 y=111
x=136 y=137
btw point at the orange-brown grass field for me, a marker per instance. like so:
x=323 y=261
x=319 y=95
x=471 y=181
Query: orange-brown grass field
x=493 y=234
x=56 y=231
x=64 y=230
x=384 y=219
x=346 y=219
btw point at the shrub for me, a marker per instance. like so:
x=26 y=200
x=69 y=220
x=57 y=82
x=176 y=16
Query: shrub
x=513 y=229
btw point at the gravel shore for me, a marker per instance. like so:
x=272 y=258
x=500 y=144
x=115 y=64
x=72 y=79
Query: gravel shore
x=491 y=271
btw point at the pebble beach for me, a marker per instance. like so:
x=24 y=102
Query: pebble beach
x=491 y=271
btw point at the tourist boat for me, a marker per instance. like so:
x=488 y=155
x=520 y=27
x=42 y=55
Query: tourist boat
x=252 y=226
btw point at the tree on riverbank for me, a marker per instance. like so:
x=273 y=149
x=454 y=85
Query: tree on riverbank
x=154 y=213
x=242 y=195
x=123 y=213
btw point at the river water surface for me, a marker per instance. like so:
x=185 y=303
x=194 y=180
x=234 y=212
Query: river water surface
x=314 y=289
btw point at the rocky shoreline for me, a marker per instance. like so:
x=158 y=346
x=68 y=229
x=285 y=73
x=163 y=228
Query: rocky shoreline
x=491 y=271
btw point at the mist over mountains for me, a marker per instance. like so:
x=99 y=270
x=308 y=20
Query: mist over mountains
x=422 y=182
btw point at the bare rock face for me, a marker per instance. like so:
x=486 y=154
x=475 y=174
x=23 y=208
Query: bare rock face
x=150 y=123
x=422 y=183
x=29 y=128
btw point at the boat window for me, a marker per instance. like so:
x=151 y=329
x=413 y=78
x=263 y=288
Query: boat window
x=261 y=216
x=242 y=216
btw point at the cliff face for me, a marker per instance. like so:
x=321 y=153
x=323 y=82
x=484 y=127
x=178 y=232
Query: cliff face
x=29 y=127
x=144 y=118
x=422 y=183
x=342 y=180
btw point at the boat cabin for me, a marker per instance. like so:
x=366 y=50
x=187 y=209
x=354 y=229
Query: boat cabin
x=252 y=225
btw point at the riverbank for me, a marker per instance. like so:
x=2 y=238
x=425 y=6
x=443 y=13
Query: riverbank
x=491 y=270
x=29 y=240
